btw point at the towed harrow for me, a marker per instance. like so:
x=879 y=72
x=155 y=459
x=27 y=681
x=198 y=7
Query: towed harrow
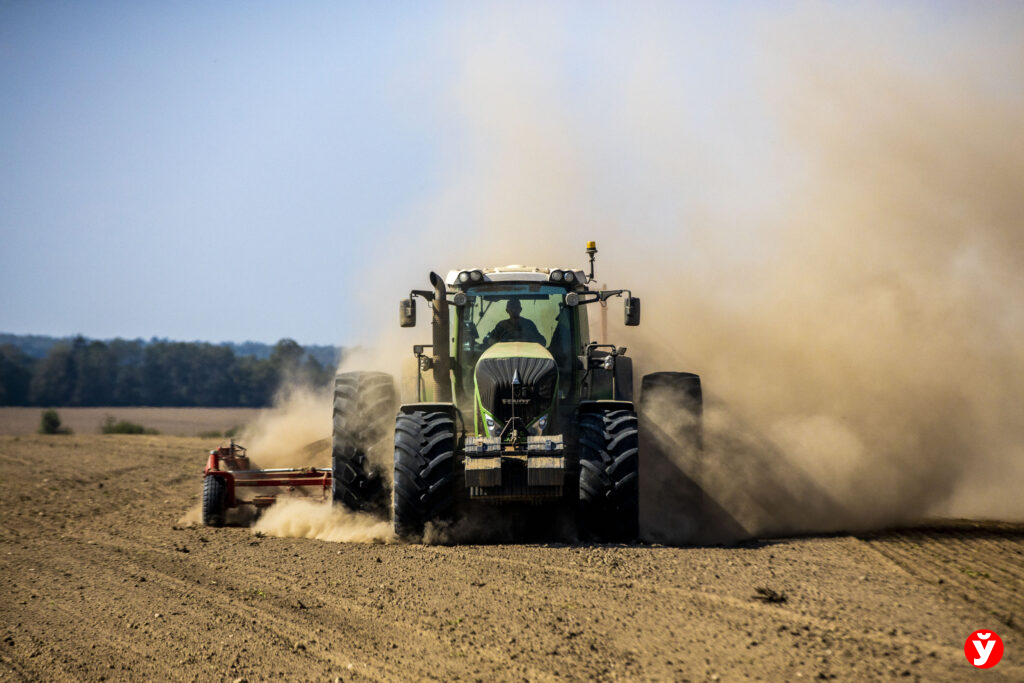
x=228 y=471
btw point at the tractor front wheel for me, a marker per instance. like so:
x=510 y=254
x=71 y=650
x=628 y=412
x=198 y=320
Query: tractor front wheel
x=424 y=470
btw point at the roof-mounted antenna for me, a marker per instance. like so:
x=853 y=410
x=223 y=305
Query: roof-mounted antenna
x=591 y=251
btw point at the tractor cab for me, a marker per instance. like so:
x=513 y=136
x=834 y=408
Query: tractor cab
x=519 y=355
x=505 y=326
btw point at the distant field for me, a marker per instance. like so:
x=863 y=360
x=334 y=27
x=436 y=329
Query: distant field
x=174 y=421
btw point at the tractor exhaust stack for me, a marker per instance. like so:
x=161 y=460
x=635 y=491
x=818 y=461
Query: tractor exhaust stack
x=442 y=354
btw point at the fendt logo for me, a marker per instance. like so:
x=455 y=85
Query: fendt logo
x=984 y=649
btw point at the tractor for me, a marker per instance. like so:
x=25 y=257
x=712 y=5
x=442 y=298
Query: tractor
x=515 y=406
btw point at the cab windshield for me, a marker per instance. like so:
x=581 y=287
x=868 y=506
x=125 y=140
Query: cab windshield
x=526 y=312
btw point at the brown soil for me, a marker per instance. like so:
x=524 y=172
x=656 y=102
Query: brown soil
x=176 y=421
x=100 y=581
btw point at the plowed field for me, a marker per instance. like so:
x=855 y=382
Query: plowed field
x=102 y=582
x=175 y=421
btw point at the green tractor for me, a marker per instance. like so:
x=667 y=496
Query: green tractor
x=516 y=406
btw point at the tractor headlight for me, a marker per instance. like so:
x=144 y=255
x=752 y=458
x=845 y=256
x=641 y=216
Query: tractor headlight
x=569 y=276
x=493 y=426
x=557 y=275
x=464 y=277
x=537 y=428
x=476 y=276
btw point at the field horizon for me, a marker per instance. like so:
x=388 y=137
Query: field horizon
x=18 y=421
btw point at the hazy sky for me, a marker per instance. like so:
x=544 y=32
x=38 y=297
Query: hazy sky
x=231 y=170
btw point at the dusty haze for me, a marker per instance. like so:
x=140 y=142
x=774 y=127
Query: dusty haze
x=295 y=432
x=834 y=243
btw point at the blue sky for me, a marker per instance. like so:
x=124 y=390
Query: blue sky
x=251 y=170
x=194 y=170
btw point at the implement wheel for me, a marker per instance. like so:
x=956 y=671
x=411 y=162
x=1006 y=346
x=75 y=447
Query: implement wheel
x=215 y=495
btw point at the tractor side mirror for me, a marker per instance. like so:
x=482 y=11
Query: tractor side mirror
x=407 y=313
x=632 y=311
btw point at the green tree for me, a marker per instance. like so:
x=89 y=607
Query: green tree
x=126 y=363
x=53 y=381
x=292 y=364
x=15 y=375
x=286 y=356
x=213 y=377
x=94 y=375
x=256 y=381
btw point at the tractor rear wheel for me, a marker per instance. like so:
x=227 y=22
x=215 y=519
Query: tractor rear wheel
x=682 y=391
x=215 y=495
x=672 y=439
x=609 y=476
x=424 y=470
x=364 y=410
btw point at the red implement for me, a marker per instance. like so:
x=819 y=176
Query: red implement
x=228 y=470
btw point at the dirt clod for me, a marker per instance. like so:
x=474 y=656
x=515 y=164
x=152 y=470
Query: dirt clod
x=769 y=595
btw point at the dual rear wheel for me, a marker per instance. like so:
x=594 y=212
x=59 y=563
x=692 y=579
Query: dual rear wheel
x=364 y=411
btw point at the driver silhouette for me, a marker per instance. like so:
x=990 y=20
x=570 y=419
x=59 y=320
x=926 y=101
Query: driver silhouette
x=514 y=328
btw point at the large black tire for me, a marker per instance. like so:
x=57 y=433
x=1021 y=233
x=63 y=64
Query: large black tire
x=215 y=494
x=609 y=476
x=672 y=439
x=364 y=411
x=424 y=471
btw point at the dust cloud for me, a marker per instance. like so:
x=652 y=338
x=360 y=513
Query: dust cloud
x=829 y=234
x=192 y=517
x=295 y=432
x=827 y=229
x=865 y=369
x=298 y=518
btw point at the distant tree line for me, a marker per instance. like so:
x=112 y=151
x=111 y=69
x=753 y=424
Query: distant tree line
x=82 y=372
x=38 y=345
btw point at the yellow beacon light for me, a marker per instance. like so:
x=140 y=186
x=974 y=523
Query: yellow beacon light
x=591 y=245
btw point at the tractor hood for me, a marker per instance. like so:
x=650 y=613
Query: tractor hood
x=496 y=371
